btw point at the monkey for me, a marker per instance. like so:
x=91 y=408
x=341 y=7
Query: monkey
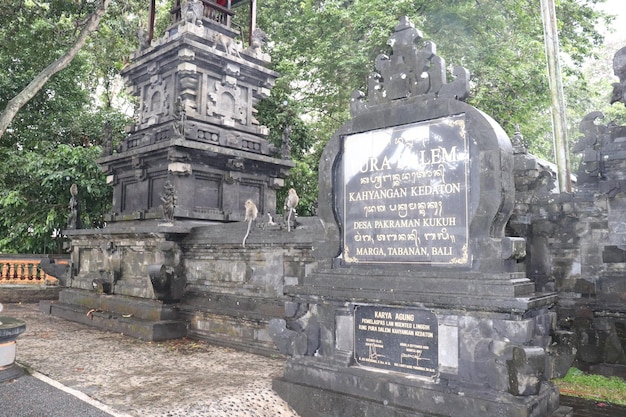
x=230 y=45
x=194 y=12
x=251 y=212
x=290 y=204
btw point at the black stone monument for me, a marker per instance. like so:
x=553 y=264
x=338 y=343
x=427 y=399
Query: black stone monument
x=418 y=307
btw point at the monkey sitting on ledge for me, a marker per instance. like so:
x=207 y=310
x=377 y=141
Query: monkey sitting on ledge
x=251 y=214
x=290 y=205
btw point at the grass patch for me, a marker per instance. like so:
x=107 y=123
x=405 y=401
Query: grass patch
x=593 y=387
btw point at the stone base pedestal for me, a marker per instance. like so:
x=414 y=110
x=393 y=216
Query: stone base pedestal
x=422 y=359
x=359 y=393
x=150 y=320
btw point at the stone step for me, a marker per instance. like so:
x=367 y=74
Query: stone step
x=146 y=309
x=475 y=300
x=139 y=328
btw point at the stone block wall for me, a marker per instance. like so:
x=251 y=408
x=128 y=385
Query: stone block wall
x=575 y=245
x=232 y=292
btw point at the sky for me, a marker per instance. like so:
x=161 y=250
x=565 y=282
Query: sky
x=616 y=7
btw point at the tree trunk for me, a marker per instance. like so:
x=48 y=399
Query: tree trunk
x=16 y=103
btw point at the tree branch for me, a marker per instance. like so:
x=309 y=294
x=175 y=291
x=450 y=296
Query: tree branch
x=16 y=103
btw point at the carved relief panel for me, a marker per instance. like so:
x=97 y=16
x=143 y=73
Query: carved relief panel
x=228 y=101
x=157 y=96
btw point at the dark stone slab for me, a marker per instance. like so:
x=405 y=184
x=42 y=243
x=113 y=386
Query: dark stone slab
x=385 y=396
x=126 y=323
x=396 y=339
x=144 y=309
x=28 y=293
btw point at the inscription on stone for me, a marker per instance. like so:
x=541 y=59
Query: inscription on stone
x=403 y=340
x=406 y=194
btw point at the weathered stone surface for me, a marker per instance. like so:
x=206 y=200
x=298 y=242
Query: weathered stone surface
x=561 y=354
x=576 y=241
x=193 y=156
x=526 y=370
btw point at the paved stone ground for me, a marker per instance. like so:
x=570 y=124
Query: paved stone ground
x=169 y=379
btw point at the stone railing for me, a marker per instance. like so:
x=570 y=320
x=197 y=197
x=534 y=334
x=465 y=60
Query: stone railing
x=211 y=10
x=25 y=269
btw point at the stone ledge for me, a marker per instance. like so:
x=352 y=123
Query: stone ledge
x=130 y=326
x=28 y=293
x=391 y=398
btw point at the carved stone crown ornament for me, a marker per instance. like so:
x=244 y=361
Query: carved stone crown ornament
x=413 y=69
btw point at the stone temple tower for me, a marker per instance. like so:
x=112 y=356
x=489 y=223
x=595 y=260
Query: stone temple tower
x=196 y=139
x=194 y=155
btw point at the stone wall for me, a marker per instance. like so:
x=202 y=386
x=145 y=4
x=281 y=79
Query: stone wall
x=576 y=243
x=232 y=292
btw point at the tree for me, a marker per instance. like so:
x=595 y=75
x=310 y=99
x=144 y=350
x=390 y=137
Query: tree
x=53 y=140
x=31 y=218
x=16 y=103
x=325 y=50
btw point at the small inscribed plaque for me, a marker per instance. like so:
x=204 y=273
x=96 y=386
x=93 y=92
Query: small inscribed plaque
x=406 y=194
x=402 y=340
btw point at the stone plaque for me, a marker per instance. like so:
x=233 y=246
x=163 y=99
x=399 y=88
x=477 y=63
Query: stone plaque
x=406 y=194
x=398 y=339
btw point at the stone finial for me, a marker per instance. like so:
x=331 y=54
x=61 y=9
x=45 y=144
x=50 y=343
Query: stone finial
x=519 y=144
x=413 y=69
x=180 y=117
x=259 y=38
x=107 y=139
x=591 y=139
x=192 y=12
x=285 y=148
x=619 y=69
x=73 y=220
x=590 y=145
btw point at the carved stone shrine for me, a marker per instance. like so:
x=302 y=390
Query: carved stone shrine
x=194 y=155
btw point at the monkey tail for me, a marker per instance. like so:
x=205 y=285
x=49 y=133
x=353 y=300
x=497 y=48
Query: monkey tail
x=247 y=233
x=289 y=220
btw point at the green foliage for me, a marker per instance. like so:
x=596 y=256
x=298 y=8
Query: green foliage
x=34 y=195
x=279 y=113
x=324 y=50
x=52 y=142
x=594 y=387
x=109 y=49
